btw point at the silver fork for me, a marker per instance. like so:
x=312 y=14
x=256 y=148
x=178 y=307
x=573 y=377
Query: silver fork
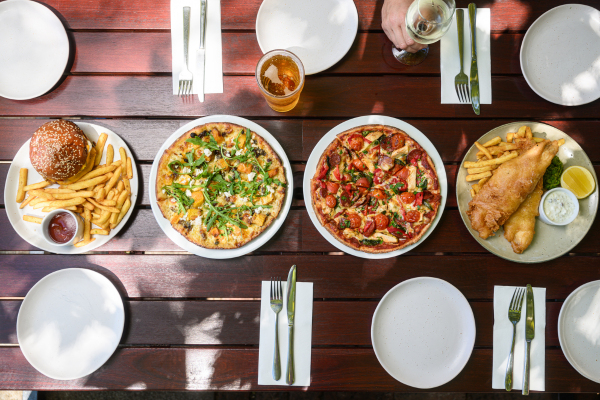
x=461 y=81
x=514 y=316
x=185 y=76
x=276 y=306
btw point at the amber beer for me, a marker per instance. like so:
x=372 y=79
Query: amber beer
x=280 y=76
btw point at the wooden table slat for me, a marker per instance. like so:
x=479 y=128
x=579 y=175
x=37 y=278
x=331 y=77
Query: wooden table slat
x=213 y=369
x=322 y=97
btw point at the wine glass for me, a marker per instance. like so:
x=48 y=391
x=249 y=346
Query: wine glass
x=426 y=22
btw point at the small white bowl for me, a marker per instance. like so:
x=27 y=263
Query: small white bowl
x=570 y=194
x=78 y=232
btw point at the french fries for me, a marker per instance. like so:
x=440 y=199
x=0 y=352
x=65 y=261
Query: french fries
x=101 y=194
x=22 y=184
x=495 y=152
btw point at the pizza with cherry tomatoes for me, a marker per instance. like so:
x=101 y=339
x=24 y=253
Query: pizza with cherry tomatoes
x=376 y=189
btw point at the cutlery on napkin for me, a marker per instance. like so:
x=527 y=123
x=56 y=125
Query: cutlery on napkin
x=450 y=61
x=302 y=335
x=503 y=336
x=213 y=66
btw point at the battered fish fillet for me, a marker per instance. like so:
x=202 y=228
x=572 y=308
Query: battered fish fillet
x=510 y=185
x=520 y=227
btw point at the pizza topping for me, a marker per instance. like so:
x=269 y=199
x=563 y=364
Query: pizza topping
x=407 y=198
x=363 y=182
x=385 y=238
x=359 y=165
x=345 y=199
x=413 y=216
x=330 y=201
x=393 y=142
x=381 y=222
x=355 y=220
x=378 y=194
x=369 y=228
x=386 y=163
x=356 y=142
x=335 y=159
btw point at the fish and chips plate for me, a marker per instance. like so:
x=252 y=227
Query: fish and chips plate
x=502 y=185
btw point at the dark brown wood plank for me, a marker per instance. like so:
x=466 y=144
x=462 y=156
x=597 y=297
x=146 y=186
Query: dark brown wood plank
x=236 y=369
x=237 y=323
x=144 y=136
x=334 y=277
x=323 y=96
x=142 y=233
x=371 y=53
x=147 y=14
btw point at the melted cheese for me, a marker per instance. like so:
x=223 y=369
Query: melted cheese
x=373 y=136
x=397 y=152
x=349 y=233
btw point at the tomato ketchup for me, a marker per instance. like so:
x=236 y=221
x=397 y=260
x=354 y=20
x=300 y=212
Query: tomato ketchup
x=62 y=227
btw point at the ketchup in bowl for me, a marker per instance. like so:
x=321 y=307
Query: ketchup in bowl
x=62 y=227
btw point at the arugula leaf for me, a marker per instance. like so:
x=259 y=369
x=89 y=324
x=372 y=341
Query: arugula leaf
x=371 y=242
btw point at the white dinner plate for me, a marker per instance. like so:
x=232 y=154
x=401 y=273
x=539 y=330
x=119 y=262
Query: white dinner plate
x=311 y=167
x=319 y=32
x=423 y=332
x=70 y=323
x=560 y=55
x=255 y=243
x=549 y=242
x=30 y=231
x=34 y=48
x=579 y=329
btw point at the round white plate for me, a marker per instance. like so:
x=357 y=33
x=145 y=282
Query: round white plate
x=70 y=323
x=560 y=55
x=255 y=243
x=319 y=32
x=423 y=332
x=30 y=231
x=578 y=327
x=549 y=242
x=34 y=47
x=311 y=167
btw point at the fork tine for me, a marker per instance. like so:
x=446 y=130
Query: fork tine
x=280 y=289
x=189 y=88
x=512 y=300
x=521 y=298
x=457 y=88
x=271 y=295
x=467 y=94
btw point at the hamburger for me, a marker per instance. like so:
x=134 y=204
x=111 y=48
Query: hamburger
x=60 y=151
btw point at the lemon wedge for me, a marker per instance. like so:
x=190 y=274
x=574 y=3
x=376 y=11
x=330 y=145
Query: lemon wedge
x=578 y=180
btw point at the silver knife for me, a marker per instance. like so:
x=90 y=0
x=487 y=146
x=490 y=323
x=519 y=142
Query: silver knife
x=474 y=73
x=200 y=53
x=291 y=311
x=529 y=336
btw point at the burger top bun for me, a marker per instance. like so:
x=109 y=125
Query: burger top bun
x=58 y=150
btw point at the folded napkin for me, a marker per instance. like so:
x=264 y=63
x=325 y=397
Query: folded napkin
x=302 y=335
x=213 y=75
x=450 y=63
x=503 y=336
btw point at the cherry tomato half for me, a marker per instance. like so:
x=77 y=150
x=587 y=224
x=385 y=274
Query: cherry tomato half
x=356 y=142
x=407 y=198
x=363 y=182
x=379 y=194
x=355 y=221
x=359 y=165
x=381 y=221
x=412 y=216
x=332 y=187
x=330 y=201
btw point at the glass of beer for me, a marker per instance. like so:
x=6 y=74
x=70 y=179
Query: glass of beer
x=280 y=76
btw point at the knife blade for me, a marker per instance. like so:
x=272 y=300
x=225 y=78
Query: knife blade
x=529 y=336
x=291 y=312
x=201 y=52
x=474 y=76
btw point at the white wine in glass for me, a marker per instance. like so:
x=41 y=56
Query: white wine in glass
x=426 y=22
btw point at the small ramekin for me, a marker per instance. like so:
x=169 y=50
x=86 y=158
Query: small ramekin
x=547 y=220
x=78 y=232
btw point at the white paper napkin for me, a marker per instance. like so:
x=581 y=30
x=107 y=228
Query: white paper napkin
x=450 y=63
x=302 y=335
x=213 y=75
x=503 y=336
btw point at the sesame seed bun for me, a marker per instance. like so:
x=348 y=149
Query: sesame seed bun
x=58 y=150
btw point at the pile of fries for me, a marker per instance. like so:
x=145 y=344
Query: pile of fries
x=101 y=196
x=493 y=153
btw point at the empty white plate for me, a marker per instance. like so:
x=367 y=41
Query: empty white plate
x=70 y=323
x=34 y=49
x=579 y=330
x=319 y=32
x=560 y=55
x=423 y=332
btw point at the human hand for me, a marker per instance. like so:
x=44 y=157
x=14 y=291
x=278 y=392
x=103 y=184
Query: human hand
x=393 y=15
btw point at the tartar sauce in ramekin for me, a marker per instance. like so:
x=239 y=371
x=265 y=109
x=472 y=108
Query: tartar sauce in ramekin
x=558 y=207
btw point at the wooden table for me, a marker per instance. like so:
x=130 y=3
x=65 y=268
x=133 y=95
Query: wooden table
x=192 y=323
